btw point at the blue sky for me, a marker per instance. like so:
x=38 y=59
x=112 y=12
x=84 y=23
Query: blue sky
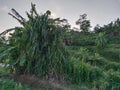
x=98 y=11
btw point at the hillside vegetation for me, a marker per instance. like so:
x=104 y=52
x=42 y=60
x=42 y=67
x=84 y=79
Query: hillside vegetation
x=52 y=56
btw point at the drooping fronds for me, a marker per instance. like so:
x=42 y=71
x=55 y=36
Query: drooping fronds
x=38 y=47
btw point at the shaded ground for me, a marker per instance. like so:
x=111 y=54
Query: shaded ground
x=43 y=84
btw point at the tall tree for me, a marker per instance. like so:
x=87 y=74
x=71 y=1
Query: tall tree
x=83 y=23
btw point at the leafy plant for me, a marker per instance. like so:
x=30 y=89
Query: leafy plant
x=7 y=84
x=37 y=47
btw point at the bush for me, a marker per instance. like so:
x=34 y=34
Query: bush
x=113 y=80
x=87 y=40
x=37 y=47
x=112 y=65
x=83 y=73
x=7 y=84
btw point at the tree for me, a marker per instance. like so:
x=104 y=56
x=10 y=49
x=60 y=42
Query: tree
x=83 y=23
x=97 y=28
x=111 y=29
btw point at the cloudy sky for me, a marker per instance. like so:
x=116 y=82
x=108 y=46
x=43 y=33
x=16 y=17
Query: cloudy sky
x=98 y=11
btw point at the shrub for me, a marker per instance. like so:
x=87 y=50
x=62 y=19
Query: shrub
x=37 y=47
x=7 y=84
x=113 y=80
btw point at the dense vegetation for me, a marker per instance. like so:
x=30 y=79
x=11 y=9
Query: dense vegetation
x=48 y=48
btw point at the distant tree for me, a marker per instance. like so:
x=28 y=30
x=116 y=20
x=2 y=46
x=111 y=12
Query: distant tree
x=65 y=24
x=111 y=29
x=97 y=28
x=83 y=23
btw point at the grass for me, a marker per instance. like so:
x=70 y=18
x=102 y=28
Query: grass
x=111 y=52
x=10 y=84
x=2 y=69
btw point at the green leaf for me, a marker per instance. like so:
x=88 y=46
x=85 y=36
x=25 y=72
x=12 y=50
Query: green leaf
x=5 y=53
x=48 y=12
x=22 y=60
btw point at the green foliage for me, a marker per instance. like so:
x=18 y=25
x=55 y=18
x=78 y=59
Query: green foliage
x=101 y=40
x=83 y=23
x=114 y=40
x=22 y=60
x=7 y=84
x=37 y=47
x=112 y=65
x=111 y=29
x=113 y=80
x=97 y=60
x=80 y=39
x=84 y=73
x=112 y=54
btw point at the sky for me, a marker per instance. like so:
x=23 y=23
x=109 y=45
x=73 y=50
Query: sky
x=98 y=11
